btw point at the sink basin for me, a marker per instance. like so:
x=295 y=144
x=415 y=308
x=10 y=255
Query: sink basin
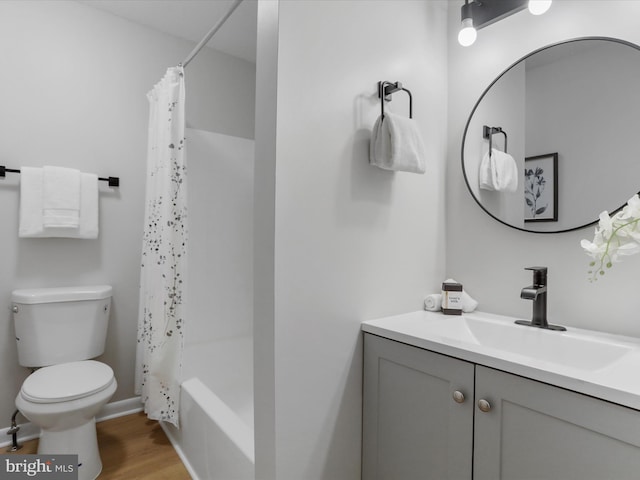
x=573 y=348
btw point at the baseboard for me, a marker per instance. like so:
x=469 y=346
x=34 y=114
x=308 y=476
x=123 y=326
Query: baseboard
x=28 y=431
x=119 y=409
x=169 y=431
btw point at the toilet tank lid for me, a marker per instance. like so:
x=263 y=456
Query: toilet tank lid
x=60 y=294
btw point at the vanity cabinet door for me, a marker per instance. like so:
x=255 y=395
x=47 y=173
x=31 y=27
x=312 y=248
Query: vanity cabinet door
x=412 y=426
x=537 y=431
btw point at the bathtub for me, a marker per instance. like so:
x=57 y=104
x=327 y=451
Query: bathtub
x=215 y=440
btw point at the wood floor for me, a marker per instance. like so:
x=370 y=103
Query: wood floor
x=133 y=447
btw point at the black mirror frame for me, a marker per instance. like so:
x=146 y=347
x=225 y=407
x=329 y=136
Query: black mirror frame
x=464 y=135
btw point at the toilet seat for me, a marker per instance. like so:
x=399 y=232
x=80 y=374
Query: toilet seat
x=66 y=382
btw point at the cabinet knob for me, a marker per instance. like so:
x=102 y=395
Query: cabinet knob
x=483 y=405
x=458 y=396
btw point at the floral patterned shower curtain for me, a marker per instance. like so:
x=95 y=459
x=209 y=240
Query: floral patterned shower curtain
x=163 y=267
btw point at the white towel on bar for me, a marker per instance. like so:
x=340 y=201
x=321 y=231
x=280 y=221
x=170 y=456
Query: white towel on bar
x=396 y=144
x=30 y=202
x=88 y=206
x=31 y=207
x=498 y=172
x=60 y=197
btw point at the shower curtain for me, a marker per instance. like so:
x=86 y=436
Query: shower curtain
x=163 y=267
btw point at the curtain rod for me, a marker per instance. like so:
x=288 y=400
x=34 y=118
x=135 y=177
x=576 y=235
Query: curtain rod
x=211 y=33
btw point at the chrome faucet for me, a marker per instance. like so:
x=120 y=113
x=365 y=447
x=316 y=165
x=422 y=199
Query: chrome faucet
x=538 y=294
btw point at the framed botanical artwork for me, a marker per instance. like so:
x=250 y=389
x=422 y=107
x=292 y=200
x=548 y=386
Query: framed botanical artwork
x=541 y=188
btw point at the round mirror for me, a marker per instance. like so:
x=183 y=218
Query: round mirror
x=568 y=116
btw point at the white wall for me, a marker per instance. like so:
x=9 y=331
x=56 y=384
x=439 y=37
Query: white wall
x=74 y=95
x=488 y=257
x=339 y=241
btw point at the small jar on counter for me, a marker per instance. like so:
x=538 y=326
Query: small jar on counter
x=452 y=298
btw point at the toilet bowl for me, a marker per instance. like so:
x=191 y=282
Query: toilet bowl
x=63 y=401
x=58 y=331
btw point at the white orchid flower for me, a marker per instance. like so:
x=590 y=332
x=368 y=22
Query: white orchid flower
x=616 y=236
x=593 y=249
x=606 y=224
x=628 y=249
x=632 y=208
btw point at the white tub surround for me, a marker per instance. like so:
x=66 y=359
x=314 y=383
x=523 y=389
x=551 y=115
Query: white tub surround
x=213 y=442
x=215 y=439
x=593 y=363
x=216 y=436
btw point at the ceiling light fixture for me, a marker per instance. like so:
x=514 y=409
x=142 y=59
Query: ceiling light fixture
x=538 y=7
x=477 y=14
x=468 y=32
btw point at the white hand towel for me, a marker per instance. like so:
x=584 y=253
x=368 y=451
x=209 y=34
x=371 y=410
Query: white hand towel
x=30 y=202
x=396 y=144
x=31 y=223
x=468 y=304
x=433 y=302
x=60 y=197
x=498 y=172
x=88 y=227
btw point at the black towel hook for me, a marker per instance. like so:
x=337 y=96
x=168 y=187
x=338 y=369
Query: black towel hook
x=489 y=132
x=385 y=89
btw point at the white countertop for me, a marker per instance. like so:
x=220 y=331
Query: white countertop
x=598 y=364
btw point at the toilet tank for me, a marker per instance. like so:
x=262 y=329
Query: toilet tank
x=57 y=325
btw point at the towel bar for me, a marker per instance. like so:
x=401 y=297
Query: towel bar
x=489 y=132
x=385 y=89
x=112 y=181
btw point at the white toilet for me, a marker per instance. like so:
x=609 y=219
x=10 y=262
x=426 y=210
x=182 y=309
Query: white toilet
x=60 y=329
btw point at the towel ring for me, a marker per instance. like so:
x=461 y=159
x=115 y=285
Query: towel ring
x=489 y=132
x=386 y=89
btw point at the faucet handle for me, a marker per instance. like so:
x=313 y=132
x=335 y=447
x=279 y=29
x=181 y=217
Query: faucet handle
x=539 y=275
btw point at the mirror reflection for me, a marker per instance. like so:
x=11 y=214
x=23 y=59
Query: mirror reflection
x=571 y=113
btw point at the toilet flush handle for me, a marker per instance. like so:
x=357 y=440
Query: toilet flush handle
x=15 y=309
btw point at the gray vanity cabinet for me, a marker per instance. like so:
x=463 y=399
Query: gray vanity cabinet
x=412 y=427
x=415 y=425
x=538 y=431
